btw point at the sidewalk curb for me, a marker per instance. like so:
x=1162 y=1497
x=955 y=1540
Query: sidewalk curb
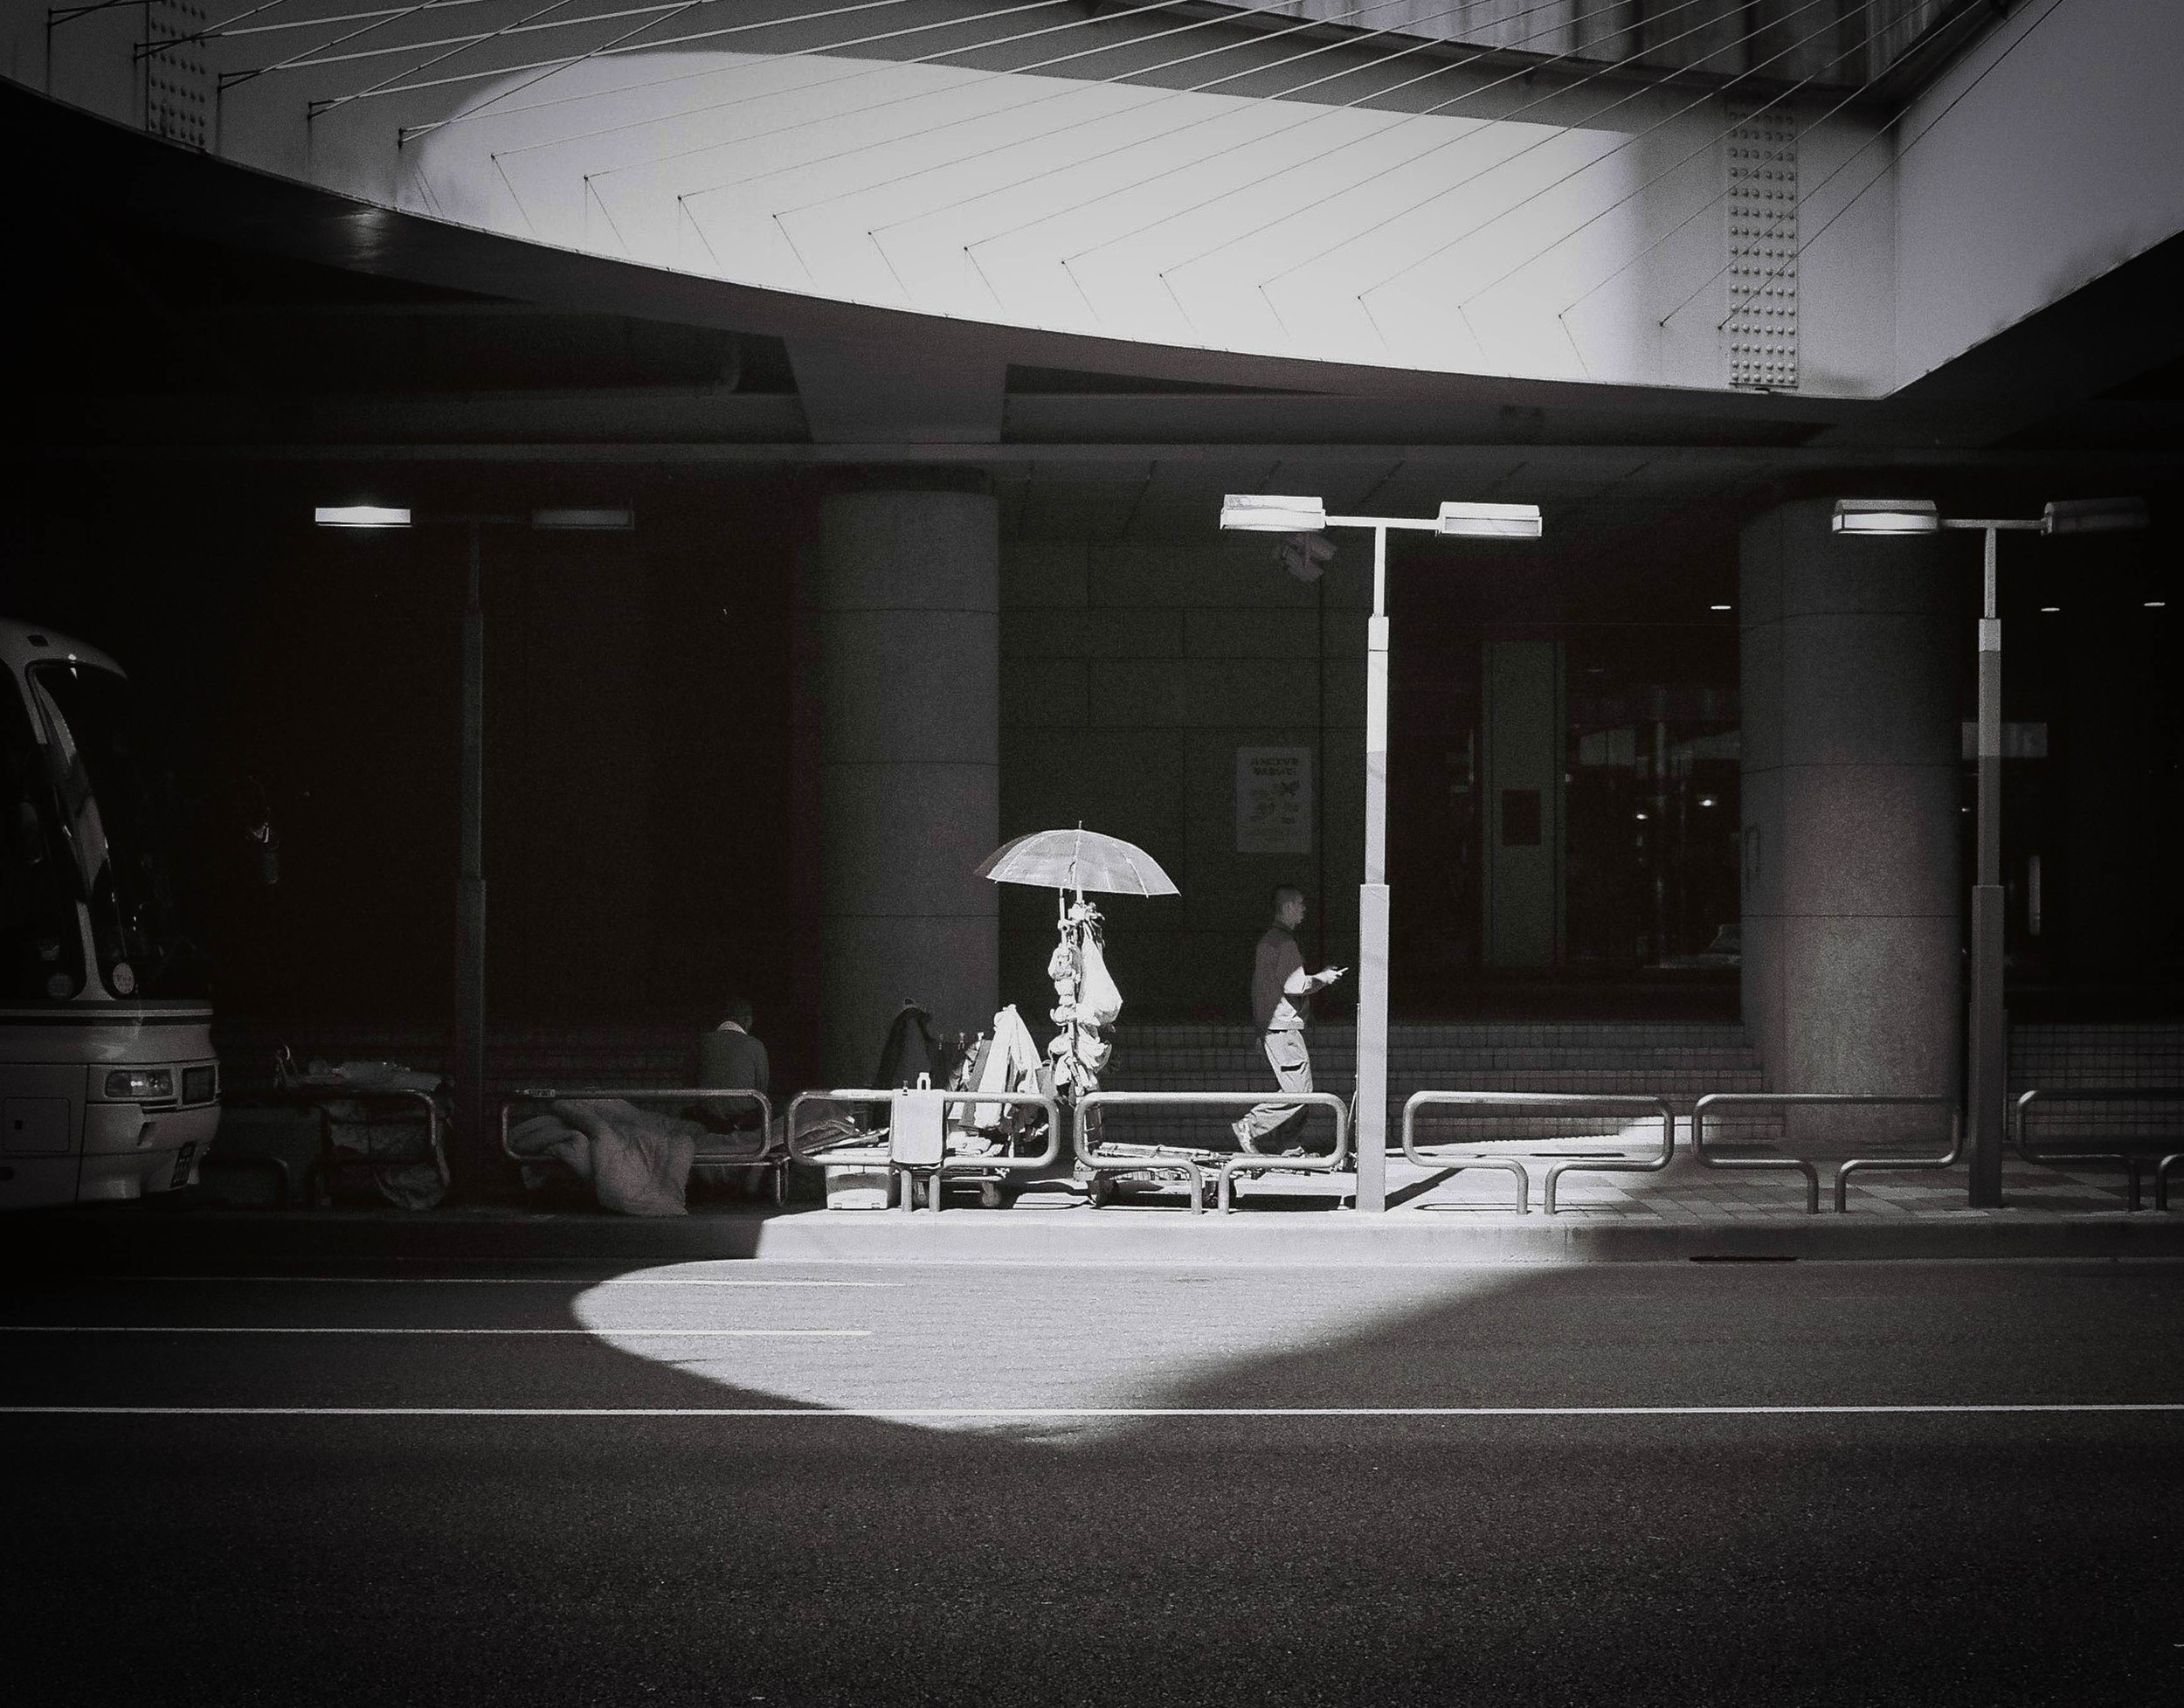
x=212 y=1240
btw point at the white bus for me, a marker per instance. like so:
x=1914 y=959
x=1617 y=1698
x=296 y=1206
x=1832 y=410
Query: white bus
x=108 y=1085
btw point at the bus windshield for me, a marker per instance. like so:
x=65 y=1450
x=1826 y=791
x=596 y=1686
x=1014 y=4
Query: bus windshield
x=111 y=795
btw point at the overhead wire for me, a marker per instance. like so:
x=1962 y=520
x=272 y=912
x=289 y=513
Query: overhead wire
x=213 y=32
x=1162 y=99
x=1405 y=119
x=230 y=32
x=1318 y=113
x=1378 y=94
x=380 y=87
x=477 y=39
x=1603 y=71
x=627 y=36
x=1075 y=87
x=1854 y=96
x=303 y=59
x=564 y=61
x=1635 y=137
x=554 y=67
x=483 y=110
x=1737 y=307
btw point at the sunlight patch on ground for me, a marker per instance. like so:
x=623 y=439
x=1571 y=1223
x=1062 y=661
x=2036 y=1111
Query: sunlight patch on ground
x=1035 y=1337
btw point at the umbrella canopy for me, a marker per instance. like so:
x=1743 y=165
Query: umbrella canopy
x=1078 y=859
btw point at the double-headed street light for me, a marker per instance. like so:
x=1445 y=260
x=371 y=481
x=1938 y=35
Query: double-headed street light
x=1273 y=514
x=1987 y=1087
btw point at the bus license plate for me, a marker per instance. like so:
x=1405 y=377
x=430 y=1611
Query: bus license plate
x=182 y=1165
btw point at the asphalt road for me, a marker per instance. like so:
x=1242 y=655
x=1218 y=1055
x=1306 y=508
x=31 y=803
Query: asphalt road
x=736 y=1482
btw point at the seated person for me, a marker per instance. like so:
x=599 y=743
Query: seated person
x=729 y=1059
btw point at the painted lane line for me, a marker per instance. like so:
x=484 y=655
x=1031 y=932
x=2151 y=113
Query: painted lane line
x=470 y=1281
x=590 y=1334
x=890 y=1413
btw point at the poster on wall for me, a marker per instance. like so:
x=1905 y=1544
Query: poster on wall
x=1274 y=800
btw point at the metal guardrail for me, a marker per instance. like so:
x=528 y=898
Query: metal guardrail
x=1539 y=1103
x=875 y=1155
x=2129 y=1155
x=1244 y=1161
x=1721 y=1101
x=759 y=1151
x=317 y=1097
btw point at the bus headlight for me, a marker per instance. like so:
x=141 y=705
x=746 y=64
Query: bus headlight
x=137 y=1085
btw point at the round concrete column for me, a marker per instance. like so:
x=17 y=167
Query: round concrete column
x=1852 y=889
x=910 y=766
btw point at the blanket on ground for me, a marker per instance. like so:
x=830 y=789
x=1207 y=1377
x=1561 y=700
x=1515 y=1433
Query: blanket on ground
x=637 y=1162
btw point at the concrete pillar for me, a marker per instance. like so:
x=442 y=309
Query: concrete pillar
x=910 y=766
x=1853 y=891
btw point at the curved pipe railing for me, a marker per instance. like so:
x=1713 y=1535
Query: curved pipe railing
x=1245 y=1162
x=1561 y=1102
x=1456 y=1165
x=1720 y=1101
x=2129 y=1156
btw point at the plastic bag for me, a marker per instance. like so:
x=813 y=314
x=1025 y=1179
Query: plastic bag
x=1099 y=1002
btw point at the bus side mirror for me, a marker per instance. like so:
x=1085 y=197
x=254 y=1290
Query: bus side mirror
x=268 y=841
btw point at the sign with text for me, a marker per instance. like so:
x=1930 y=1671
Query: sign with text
x=1274 y=800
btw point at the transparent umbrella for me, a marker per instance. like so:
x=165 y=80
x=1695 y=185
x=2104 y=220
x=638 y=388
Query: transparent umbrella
x=1080 y=859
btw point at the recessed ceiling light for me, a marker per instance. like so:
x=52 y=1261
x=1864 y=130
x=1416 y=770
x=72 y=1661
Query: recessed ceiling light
x=2157 y=604
x=1720 y=607
x=2050 y=610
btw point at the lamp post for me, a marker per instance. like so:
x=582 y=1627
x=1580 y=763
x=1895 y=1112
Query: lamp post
x=469 y=1064
x=1986 y=1089
x=1273 y=514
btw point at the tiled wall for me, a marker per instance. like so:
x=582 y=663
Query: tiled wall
x=1130 y=677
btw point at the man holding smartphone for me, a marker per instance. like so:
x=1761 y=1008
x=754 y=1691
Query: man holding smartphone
x=1280 y=1003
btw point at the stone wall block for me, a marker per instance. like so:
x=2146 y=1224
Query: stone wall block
x=912 y=687
x=888 y=551
x=1859 y=841
x=1865 y=689
x=904 y=839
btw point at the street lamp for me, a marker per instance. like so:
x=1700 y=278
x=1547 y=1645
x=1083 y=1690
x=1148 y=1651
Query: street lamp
x=1987 y=1089
x=1281 y=515
x=470 y=880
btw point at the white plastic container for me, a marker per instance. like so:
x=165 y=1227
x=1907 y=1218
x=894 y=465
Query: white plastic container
x=858 y=1186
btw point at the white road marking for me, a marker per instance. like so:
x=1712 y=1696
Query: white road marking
x=477 y=1281
x=589 y=1334
x=887 y=1413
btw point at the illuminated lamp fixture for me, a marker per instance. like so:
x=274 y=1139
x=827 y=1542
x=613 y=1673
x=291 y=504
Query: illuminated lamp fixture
x=1489 y=522
x=1270 y=514
x=360 y=516
x=1887 y=515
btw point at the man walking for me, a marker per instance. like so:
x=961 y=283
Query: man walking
x=1280 y=1003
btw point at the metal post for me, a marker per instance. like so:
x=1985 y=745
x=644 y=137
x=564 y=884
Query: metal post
x=1987 y=1094
x=1371 y=1116
x=471 y=1146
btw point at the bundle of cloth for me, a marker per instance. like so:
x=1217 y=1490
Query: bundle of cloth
x=637 y=1163
x=393 y=1138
